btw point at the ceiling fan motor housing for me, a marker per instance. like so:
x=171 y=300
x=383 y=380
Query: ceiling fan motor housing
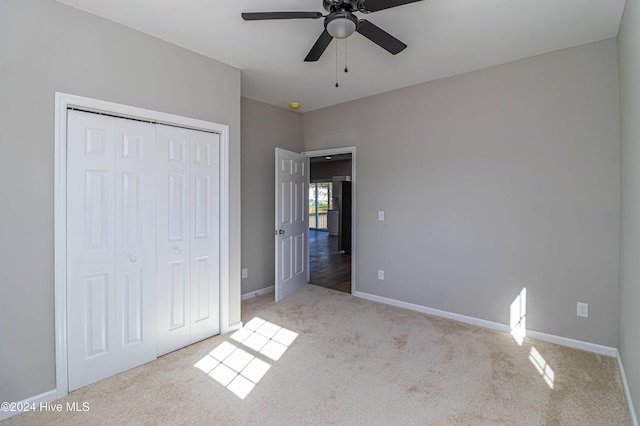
x=349 y=5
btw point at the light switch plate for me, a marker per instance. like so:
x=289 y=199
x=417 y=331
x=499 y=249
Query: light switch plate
x=380 y=214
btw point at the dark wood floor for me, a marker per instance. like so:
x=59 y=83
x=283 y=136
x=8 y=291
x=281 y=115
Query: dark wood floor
x=328 y=267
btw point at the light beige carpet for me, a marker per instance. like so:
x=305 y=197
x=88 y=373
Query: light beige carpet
x=323 y=357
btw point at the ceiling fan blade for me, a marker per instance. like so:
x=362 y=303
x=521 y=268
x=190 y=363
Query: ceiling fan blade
x=319 y=47
x=380 y=37
x=376 y=5
x=260 y=16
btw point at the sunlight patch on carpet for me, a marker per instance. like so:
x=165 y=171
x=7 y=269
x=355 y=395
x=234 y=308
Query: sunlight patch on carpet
x=518 y=316
x=541 y=365
x=518 y=325
x=239 y=367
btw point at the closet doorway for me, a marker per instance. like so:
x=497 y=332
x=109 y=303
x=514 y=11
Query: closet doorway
x=141 y=236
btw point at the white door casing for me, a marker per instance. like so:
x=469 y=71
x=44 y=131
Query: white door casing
x=291 y=221
x=111 y=246
x=188 y=238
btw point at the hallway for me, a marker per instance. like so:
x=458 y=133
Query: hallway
x=328 y=268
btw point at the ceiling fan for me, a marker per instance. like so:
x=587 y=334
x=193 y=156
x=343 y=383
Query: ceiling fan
x=341 y=23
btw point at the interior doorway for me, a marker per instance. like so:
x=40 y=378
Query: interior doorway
x=330 y=220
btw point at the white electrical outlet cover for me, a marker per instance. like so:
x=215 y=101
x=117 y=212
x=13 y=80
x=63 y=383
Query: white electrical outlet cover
x=582 y=310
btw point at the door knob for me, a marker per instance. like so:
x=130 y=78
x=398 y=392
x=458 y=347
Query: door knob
x=281 y=231
x=176 y=250
x=133 y=259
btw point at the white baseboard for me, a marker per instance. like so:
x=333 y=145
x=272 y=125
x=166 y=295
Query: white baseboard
x=435 y=312
x=563 y=341
x=627 y=391
x=256 y=293
x=235 y=327
x=29 y=404
x=572 y=343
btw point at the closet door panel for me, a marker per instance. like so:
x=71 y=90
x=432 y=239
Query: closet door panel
x=90 y=248
x=135 y=204
x=110 y=246
x=205 y=241
x=173 y=244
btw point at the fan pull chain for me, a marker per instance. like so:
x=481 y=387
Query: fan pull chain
x=337 y=85
x=346 y=69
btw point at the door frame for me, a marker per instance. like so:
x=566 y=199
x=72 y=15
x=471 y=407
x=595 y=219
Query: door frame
x=335 y=151
x=63 y=102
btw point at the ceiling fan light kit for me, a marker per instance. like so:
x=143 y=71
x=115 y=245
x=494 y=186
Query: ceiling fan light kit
x=341 y=22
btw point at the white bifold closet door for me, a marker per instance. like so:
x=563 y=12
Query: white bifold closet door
x=111 y=246
x=143 y=244
x=188 y=237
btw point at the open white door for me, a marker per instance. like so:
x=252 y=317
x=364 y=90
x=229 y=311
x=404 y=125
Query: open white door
x=291 y=228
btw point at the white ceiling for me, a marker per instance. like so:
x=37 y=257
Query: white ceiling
x=445 y=37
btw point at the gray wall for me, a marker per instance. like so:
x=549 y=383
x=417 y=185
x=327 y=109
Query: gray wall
x=492 y=181
x=264 y=127
x=47 y=47
x=324 y=171
x=629 y=60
